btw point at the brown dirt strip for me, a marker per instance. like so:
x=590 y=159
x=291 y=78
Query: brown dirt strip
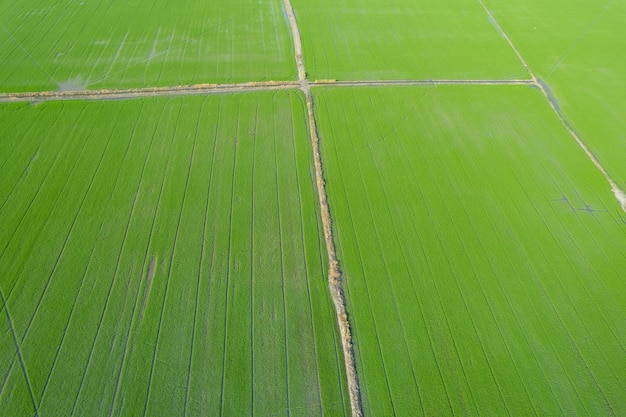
x=114 y=94
x=208 y=89
x=334 y=273
x=297 y=42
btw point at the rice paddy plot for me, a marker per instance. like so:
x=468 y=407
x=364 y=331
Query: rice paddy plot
x=575 y=47
x=483 y=253
x=402 y=39
x=75 y=45
x=163 y=257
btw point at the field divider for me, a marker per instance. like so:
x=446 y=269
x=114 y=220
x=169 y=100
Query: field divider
x=117 y=94
x=209 y=89
x=334 y=273
x=427 y=82
x=620 y=195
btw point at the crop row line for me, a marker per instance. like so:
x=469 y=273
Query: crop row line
x=82 y=281
x=116 y=271
x=56 y=262
x=169 y=269
x=304 y=257
x=19 y=354
x=208 y=89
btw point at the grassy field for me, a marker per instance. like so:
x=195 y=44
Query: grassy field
x=402 y=39
x=483 y=253
x=576 y=51
x=163 y=257
x=167 y=256
x=69 y=44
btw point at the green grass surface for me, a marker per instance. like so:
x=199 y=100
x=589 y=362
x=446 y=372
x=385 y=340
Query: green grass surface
x=402 y=39
x=163 y=257
x=576 y=48
x=483 y=253
x=50 y=45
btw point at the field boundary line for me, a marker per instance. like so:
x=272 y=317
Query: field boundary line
x=425 y=82
x=620 y=195
x=19 y=354
x=502 y=33
x=334 y=273
x=210 y=89
x=117 y=94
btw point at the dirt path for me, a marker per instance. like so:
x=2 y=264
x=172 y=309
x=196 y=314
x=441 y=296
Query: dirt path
x=334 y=274
x=114 y=94
x=207 y=89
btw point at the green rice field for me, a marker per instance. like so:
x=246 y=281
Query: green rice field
x=576 y=50
x=484 y=274
x=71 y=44
x=165 y=243
x=402 y=39
x=170 y=248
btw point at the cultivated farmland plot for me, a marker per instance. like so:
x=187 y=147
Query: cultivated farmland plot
x=163 y=257
x=169 y=254
x=577 y=48
x=51 y=45
x=483 y=253
x=402 y=39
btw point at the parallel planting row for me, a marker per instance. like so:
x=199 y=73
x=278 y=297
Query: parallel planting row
x=483 y=253
x=72 y=45
x=403 y=39
x=163 y=257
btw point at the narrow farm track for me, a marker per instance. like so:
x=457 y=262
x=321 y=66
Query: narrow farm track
x=542 y=86
x=334 y=274
x=209 y=89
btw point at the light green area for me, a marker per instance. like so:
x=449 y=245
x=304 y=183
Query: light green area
x=75 y=44
x=163 y=257
x=482 y=251
x=577 y=48
x=402 y=39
